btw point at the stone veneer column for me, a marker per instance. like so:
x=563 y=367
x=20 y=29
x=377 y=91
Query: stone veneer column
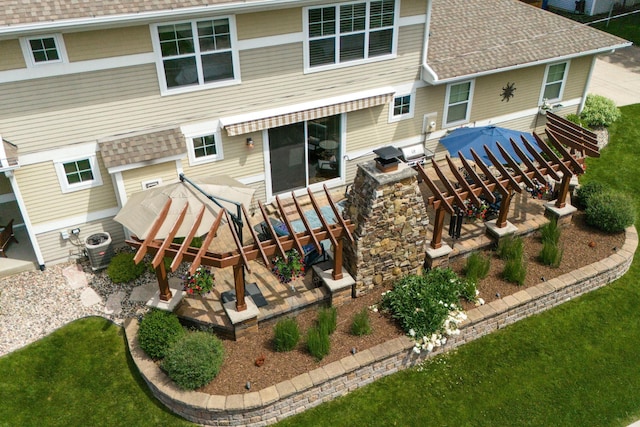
x=391 y=226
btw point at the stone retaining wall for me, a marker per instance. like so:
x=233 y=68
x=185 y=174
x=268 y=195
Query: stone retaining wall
x=310 y=389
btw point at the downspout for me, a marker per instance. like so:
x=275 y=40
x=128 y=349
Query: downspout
x=426 y=73
x=587 y=84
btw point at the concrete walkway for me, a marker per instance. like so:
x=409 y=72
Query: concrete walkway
x=617 y=76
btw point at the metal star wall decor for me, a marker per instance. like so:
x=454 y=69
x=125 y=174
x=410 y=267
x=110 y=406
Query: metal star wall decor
x=507 y=91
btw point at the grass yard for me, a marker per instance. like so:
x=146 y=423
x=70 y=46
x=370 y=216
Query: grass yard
x=578 y=364
x=81 y=375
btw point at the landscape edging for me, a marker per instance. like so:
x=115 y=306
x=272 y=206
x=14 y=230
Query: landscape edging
x=323 y=384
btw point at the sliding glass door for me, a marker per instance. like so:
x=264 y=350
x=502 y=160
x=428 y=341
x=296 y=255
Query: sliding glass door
x=304 y=153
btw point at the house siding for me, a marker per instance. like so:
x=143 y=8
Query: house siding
x=133 y=178
x=269 y=23
x=11 y=55
x=88 y=45
x=47 y=203
x=55 y=249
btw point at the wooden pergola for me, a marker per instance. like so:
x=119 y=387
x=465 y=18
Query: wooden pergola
x=239 y=257
x=567 y=146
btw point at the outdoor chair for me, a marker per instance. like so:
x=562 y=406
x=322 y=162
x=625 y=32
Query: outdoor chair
x=311 y=254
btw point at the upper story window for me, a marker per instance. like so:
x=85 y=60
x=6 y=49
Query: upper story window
x=78 y=174
x=196 y=54
x=402 y=107
x=43 y=50
x=350 y=32
x=555 y=77
x=457 y=107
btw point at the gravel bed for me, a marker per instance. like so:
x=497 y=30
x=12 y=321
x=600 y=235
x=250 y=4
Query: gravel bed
x=33 y=304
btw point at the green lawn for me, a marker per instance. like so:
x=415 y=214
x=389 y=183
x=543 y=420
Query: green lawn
x=578 y=364
x=81 y=375
x=627 y=27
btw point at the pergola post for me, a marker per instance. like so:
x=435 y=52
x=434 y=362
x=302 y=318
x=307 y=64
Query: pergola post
x=504 y=210
x=563 y=192
x=337 y=261
x=238 y=279
x=438 y=225
x=163 y=282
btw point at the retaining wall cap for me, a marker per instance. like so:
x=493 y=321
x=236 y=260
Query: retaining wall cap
x=302 y=381
x=522 y=296
x=487 y=310
x=546 y=288
x=318 y=376
x=334 y=369
x=349 y=363
x=252 y=400
x=556 y=283
x=364 y=357
x=269 y=395
x=534 y=292
x=216 y=403
x=285 y=389
x=499 y=306
x=473 y=316
x=235 y=402
x=511 y=301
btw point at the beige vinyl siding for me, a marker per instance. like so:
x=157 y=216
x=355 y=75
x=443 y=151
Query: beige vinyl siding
x=45 y=201
x=413 y=7
x=578 y=73
x=133 y=178
x=11 y=57
x=89 y=45
x=269 y=23
x=55 y=249
x=116 y=101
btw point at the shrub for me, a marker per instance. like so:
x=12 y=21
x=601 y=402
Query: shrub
x=286 y=334
x=421 y=304
x=550 y=232
x=610 y=212
x=515 y=270
x=158 y=331
x=574 y=118
x=477 y=267
x=318 y=342
x=550 y=254
x=196 y=242
x=599 y=111
x=361 y=325
x=584 y=193
x=194 y=360
x=328 y=319
x=122 y=269
x=510 y=247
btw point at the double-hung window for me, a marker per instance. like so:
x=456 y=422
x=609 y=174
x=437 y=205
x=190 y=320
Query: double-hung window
x=554 y=79
x=458 y=103
x=350 y=32
x=43 y=50
x=197 y=53
x=78 y=173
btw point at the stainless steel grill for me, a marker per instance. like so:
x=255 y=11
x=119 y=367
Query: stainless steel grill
x=415 y=154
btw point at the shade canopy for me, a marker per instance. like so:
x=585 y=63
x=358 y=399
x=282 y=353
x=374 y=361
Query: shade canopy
x=142 y=208
x=464 y=139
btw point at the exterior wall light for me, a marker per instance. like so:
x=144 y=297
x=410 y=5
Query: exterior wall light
x=250 y=143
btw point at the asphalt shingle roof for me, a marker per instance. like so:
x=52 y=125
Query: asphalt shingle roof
x=474 y=36
x=142 y=147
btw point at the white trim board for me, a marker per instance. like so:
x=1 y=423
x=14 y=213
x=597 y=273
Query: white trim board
x=75 y=220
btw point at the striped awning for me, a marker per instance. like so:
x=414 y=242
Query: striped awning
x=272 y=121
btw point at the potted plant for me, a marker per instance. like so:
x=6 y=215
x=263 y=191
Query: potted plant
x=289 y=267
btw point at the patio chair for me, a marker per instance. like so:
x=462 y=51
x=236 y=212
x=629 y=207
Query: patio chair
x=311 y=254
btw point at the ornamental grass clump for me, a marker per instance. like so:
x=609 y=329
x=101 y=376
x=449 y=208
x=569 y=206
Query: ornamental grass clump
x=477 y=267
x=328 y=319
x=427 y=306
x=361 y=324
x=318 y=342
x=610 y=212
x=550 y=232
x=550 y=254
x=286 y=334
x=194 y=360
x=122 y=269
x=511 y=249
x=158 y=331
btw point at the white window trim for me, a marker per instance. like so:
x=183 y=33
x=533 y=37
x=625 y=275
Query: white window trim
x=28 y=54
x=446 y=104
x=562 y=85
x=307 y=56
x=62 y=176
x=235 y=58
x=412 y=107
x=203 y=129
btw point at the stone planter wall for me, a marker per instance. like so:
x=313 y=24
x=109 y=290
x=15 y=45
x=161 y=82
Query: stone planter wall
x=308 y=390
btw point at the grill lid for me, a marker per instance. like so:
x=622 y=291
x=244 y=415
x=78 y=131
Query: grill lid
x=388 y=153
x=413 y=152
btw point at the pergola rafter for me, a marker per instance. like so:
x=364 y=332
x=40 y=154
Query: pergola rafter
x=561 y=134
x=240 y=257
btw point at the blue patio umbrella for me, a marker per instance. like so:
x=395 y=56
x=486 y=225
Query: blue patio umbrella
x=464 y=139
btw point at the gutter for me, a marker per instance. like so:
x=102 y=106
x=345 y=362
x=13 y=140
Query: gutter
x=426 y=73
x=146 y=17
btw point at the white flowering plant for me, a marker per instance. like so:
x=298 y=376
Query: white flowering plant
x=428 y=306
